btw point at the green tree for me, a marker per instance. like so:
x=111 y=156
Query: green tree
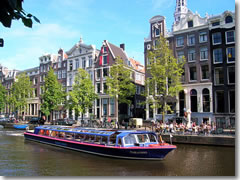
x=3 y=97
x=165 y=76
x=120 y=85
x=21 y=91
x=53 y=94
x=12 y=10
x=83 y=94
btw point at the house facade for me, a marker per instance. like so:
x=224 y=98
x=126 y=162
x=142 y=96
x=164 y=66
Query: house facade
x=105 y=106
x=192 y=37
x=82 y=56
x=222 y=41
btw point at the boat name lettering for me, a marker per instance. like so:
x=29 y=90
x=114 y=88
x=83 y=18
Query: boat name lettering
x=138 y=152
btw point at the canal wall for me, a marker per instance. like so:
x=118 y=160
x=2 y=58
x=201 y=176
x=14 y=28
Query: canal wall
x=203 y=140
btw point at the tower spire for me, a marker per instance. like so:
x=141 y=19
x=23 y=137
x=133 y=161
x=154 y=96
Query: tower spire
x=180 y=10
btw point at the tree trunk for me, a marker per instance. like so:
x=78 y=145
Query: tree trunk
x=117 y=123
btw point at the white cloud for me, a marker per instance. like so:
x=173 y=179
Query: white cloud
x=24 y=46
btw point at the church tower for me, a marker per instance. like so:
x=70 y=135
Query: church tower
x=181 y=10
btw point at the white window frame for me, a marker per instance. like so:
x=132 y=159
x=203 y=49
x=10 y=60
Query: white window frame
x=189 y=36
x=103 y=59
x=208 y=73
x=227 y=54
x=190 y=74
x=213 y=38
x=155 y=32
x=214 y=74
x=214 y=57
x=190 y=55
x=182 y=40
x=204 y=51
x=203 y=33
x=231 y=90
x=227 y=37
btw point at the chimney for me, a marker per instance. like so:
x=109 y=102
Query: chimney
x=122 y=46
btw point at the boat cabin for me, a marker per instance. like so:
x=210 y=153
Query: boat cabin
x=118 y=138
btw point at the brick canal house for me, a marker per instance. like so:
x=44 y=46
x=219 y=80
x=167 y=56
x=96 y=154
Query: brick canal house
x=105 y=106
x=59 y=64
x=222 y=40
x=192 y=37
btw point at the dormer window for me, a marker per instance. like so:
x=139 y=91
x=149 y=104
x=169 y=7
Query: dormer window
x=228 y=19
x=190 y=24
x=217 y=23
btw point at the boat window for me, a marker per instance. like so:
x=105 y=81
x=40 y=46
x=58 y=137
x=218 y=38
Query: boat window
x=92 y=138
x=41 y=132
x=142 y=138
x=152 y=138
x=79 y=137
x=98 y=139
x=53 y=134
x=119 y=142
x=69 y=135
x=61 y=135
x=104 y=140
x=130 y=139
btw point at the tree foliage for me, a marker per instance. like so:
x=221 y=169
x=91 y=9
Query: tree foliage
x=3 y=97
x=83 y=94
x=53 y=94
x=12 y=10
x=165 y=76
x=120 y=85
x=20 y=92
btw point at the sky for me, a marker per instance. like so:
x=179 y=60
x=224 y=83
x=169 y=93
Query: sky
x=63 y=22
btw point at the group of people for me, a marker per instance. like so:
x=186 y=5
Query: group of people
x=182 y=128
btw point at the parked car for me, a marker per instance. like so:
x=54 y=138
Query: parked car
x=65 y=122
x=34 y=120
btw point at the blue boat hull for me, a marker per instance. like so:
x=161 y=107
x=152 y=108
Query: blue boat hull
x=117 y=152
x=20 y=126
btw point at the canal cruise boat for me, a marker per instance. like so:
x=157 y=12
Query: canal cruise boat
x=127 y=144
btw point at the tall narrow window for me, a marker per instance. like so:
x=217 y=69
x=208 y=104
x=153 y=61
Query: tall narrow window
x=190 y=24
x=232 y=101
x=105 y=109
x=193 y=73
x=77 y=63
x=180 y=56
x=205 y=72
x=203 y=53
x=217 y=55
x=202 y=37
x=216 y=38
x=191 y=55
x=230 y=37
x=231 y=75
x=194 y=106
x=231 y=54
x=98 y=73
x=191 y=40
x=104 y=60
x=98 y=87
x=206 y=100
x=180 y=41
x=112 y=106
x=219 y=76
x=70 y=65
x=84 y=63
x=219 y=101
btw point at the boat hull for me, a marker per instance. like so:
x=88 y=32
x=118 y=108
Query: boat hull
x=146 y=153
x=20 y=126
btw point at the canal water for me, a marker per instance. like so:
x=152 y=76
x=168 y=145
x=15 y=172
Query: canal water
x=19 y=157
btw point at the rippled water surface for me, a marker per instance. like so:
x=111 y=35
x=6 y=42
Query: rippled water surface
x=19 y=157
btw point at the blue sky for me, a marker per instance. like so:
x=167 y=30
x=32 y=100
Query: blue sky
x=64 y=21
